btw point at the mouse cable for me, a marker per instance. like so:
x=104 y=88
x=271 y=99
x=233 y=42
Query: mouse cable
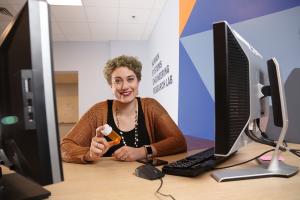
x=158 y=192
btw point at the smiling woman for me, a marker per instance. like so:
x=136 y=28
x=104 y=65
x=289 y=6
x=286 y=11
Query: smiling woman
x=145 y=127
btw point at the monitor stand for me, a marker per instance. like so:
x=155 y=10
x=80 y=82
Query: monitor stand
x=273 y=168
x=15 y=186
x=261 y=171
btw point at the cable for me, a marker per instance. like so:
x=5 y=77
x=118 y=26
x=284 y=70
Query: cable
x=265 y=136
x=245 y=161
x=271 y=143
x=265 y=140
x=251 y=135
x=158 y=192
x=295 y=152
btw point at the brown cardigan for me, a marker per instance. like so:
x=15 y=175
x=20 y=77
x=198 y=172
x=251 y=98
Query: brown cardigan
x=164 y=134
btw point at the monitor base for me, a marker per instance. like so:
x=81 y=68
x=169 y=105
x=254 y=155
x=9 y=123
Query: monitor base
x=261 y=171
x=15 y=186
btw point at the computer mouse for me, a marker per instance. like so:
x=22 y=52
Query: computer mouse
x=148 y=172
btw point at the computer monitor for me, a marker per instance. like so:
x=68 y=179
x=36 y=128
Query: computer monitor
x=240 y=90
x=29 y=136
x=239 y=73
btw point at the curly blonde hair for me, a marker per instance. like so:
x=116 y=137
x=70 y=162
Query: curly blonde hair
x=130 y=62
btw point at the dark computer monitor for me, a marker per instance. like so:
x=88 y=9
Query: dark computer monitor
x=239 y=73
x=29 y=139
x=275 y=79
x=240 y=90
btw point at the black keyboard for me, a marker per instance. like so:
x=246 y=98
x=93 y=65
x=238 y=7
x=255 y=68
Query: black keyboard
x=195 y=164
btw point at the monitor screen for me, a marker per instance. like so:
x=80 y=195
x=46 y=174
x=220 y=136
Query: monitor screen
x=28 y=131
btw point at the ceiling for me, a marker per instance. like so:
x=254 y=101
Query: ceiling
x=97 y=20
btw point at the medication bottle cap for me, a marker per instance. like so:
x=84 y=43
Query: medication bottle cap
x=107 y=130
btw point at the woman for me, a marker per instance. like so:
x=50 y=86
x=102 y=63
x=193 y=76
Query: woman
x=144 y=125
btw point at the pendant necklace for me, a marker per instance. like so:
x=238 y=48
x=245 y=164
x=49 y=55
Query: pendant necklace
x=136 y=139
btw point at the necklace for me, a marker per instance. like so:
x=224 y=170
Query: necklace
x=136 y=139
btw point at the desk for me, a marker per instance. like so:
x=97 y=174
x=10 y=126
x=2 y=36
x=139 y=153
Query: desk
x=110 y=179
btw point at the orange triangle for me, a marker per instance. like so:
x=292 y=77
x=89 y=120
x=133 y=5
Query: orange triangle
x=185 y=9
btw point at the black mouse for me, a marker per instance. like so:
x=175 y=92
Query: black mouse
x=148 y=172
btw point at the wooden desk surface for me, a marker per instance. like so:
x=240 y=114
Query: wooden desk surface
x=110 y=179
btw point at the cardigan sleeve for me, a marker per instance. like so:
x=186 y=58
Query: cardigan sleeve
x=76 y=144
x=168 y=138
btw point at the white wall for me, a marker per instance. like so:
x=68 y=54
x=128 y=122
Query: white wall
x=89 y=58
x=86 y=58
x=165 y=42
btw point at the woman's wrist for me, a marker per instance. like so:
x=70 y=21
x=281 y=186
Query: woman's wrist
x=142 y=153
x=154 y=151
x=150 y=152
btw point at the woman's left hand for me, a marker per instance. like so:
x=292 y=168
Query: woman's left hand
x=127 y=153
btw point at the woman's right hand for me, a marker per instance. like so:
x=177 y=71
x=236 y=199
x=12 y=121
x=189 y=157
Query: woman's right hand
x=99 y=146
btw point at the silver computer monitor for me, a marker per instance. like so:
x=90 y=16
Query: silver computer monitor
x=241 y=91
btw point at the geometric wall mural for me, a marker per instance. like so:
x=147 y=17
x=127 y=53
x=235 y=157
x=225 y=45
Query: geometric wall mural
x=257 y=20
